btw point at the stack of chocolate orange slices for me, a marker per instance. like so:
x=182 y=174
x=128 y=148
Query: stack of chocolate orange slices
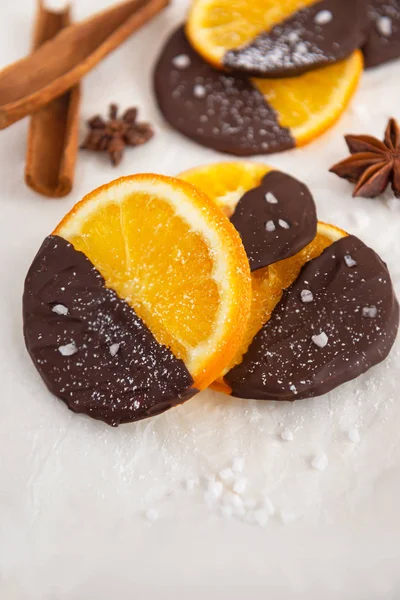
x=153 y=288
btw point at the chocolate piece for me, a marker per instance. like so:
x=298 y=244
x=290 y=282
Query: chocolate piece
x=90 y=347
x=310 y=347
x=313 y=37
x=383 y=41
x=220 y=111
x=275 y=220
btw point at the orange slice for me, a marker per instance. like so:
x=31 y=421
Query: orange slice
x=268 y=283
x=310 y=104
x=166 y=248
x=216 y=26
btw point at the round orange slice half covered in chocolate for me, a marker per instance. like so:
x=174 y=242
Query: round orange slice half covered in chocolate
x=138 y=299
x=243 y=116
x=296 y=308
x=276 y=38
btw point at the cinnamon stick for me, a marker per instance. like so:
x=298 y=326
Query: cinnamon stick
x=53 y=132
x=61 y=62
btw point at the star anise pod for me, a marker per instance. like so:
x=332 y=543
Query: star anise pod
x=373 y=164
x=114 y=135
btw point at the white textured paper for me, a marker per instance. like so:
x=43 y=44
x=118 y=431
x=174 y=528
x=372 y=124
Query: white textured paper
x=91 y=512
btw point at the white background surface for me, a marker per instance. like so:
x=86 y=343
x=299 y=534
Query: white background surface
x=73 y=492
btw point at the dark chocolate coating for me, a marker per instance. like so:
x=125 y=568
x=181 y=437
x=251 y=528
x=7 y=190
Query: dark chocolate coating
x=220 y=111
x=300 y=43
x=284 y=363
x=380 y=47
x=295 y=207
x=142 y=379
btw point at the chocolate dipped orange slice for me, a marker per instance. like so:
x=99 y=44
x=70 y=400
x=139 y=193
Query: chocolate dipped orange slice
x=338 y=319
x=276 y=38
x=291 y=298
x=241 y=116
x=138 y=299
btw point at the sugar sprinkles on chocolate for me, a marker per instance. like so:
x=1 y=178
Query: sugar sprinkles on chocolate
x=319 y=345
x=100 y=358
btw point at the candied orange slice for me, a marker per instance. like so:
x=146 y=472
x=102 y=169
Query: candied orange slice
x=267 y=283
x=166 y=248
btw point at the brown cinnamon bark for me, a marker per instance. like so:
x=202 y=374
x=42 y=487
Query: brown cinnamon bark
x=61 y=62
x=53 y=132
